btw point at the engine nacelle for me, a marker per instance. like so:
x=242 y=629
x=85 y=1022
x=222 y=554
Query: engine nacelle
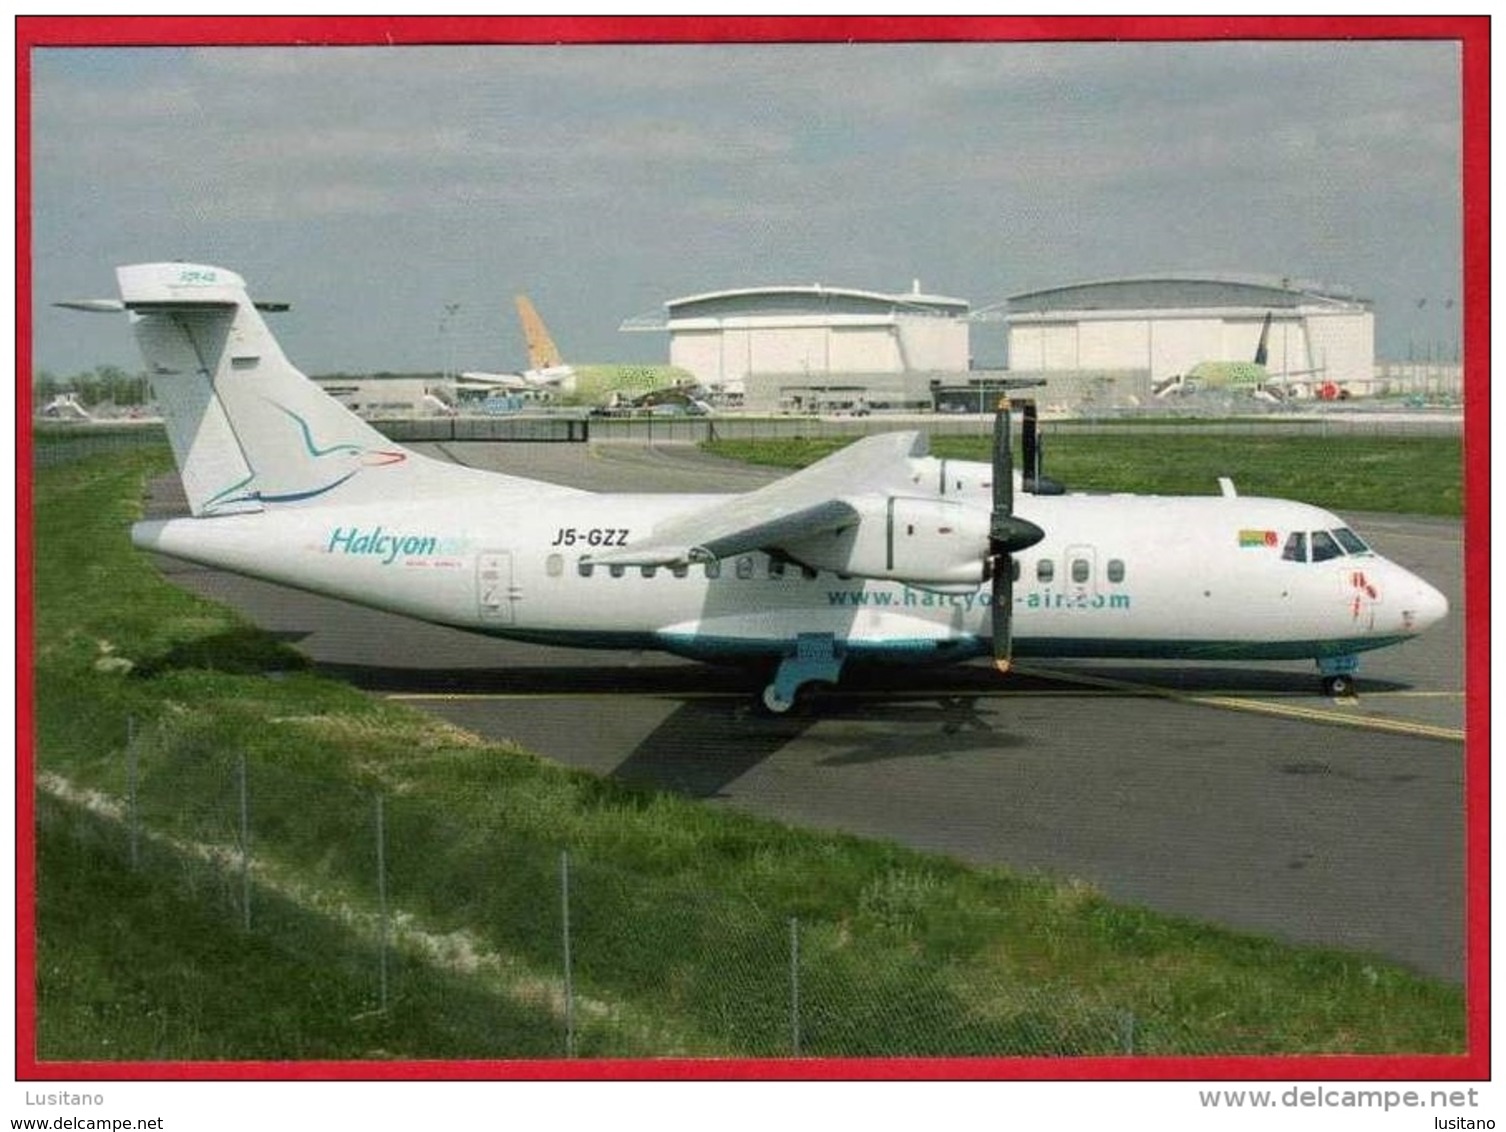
x=933 y=542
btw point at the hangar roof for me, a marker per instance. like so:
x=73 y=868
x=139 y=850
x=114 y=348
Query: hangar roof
x=1176 y=291
x=812 y=299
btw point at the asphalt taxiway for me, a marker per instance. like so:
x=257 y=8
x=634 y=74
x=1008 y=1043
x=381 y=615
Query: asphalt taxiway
x=1233 y=794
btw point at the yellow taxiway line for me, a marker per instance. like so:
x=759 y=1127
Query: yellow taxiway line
x=1088 y=685
x=1301 y=712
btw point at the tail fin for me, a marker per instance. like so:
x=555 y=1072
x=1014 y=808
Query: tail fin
x=542 y=352
x=1265 y=335
x=248 y=430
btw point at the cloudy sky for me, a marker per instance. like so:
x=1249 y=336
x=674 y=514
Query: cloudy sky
x=373 y=186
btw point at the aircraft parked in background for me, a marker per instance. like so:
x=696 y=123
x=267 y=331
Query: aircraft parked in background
x=546 y=369
x=1251 y=379
x=549 y=377
x=878 y=553
x=64 y=407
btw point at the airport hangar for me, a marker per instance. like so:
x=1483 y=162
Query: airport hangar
x=1137 y=333
x=809 y=348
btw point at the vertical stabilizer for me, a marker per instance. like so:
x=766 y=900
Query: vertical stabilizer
x=248 y=429
x=1265 y=337
x=542 y=352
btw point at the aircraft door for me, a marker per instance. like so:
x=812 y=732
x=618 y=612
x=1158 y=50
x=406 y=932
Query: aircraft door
x=496 y=591
x=1080 y=576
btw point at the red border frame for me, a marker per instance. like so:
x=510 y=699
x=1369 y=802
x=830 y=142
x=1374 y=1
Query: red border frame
x=1473 y=35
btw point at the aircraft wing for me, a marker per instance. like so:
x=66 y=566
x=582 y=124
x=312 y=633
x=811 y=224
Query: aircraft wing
x=812 y=501
x=475 y=380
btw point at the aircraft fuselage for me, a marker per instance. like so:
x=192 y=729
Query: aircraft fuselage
x=1120 y=576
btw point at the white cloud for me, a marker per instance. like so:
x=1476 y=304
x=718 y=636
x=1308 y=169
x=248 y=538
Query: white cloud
x=624 y=175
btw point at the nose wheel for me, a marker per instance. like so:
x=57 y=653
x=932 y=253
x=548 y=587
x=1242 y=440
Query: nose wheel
x=1338 y=687
x=1338 y=676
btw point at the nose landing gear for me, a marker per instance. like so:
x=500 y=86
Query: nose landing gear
x=1338 y=676
x=1339 y=687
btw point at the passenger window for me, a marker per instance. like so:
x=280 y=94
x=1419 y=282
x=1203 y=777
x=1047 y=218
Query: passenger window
x=1014 y=569
x=1045 y=570
x=1324 y=547
x=1295 y=549
x=809 y=573
x=649 y=571
x=617 y=570
x=585 y=568
x=1080 y=570
x=776 y=568
x=554 y=565
x=1351 y=541
x=745 y=567
x=1116 y=570
x=714 y=568
x=680 y=571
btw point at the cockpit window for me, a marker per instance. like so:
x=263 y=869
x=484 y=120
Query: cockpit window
x=1324 y=547
x=1351 y=541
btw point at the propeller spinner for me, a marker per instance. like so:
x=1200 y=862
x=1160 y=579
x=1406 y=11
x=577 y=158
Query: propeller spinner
x=1007 y=534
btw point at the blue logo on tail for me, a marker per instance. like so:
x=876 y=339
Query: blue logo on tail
x=328 y=467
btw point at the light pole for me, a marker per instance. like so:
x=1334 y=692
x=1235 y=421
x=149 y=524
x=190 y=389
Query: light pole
x=446 y=340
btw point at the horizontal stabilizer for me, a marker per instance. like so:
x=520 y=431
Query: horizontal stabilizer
x=93 y=306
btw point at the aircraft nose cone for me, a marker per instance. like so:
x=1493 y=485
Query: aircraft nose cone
x=1425 y=606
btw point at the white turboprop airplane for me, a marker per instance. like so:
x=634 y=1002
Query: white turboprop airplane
x=877 y=553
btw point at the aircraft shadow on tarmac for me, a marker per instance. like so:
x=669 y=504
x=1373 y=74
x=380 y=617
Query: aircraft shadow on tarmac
x=543 y=680
x=715 y=734
x=706 y=744
x=866 y=684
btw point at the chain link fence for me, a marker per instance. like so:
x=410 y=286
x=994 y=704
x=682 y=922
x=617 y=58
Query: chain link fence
x=523 y=948
x=55 y=445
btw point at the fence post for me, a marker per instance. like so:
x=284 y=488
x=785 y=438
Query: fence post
x=794 y=986
x=569 y=987
x=245 y=847
x=133 y=820
x=1127 y=1032
x=381 y=856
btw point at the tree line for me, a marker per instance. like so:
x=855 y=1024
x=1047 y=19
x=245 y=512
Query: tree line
x=103 y=385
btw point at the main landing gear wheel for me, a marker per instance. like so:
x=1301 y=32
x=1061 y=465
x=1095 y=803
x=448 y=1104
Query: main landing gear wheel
x=1339 y=686
x=799 y=702
x=814 y=660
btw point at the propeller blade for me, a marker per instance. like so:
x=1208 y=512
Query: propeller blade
x=1002 y=586
x=1003 y=461
x=1001 y=611
x=1007 y=533
x=1033 y=456
x=1030 y=455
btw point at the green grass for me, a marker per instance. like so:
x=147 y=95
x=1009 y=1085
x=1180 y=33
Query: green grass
x=52 y=432
x=150 y=971
x=681 y=911
x=1406 y=475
